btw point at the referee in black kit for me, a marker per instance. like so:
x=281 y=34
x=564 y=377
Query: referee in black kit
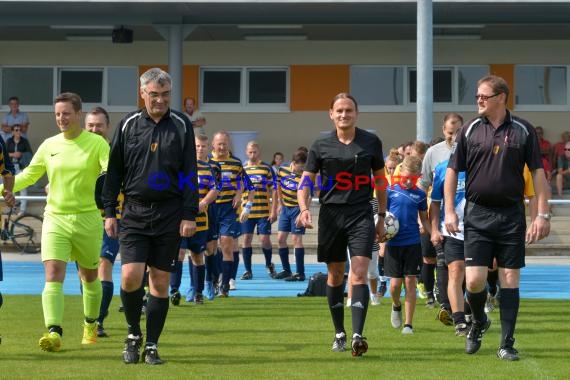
x=346 y=159
x=493 y=150
x=153 y=160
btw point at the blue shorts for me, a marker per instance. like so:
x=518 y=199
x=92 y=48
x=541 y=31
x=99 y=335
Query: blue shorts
x=110 y=247
x=227 y=220
x=196 y=243
x=213 y=225
x=287 y=220
x=263 y=226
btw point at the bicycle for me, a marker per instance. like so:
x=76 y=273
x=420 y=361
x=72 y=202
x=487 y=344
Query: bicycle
x=24 y=231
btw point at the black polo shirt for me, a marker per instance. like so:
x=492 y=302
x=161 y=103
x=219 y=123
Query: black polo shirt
x=153 y=162
x=338 y=164
x=494 y=159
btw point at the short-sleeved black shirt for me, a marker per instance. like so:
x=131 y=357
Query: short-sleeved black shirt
x=494 y=159
x=338 y=164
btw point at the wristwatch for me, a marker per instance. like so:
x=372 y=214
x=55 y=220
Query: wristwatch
x=545 y=216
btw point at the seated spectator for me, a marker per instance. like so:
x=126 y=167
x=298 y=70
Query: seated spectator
x=545 y=152
x=563 y=173
x=15 y=116
x=20 y=153
x=558 y=149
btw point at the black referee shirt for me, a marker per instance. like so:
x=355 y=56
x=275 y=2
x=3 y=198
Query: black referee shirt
x=494 y=159
x=153 y=162
x=338 y=164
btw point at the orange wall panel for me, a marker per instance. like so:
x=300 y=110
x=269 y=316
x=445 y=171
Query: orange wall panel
x=507 y=72
x=314 y=86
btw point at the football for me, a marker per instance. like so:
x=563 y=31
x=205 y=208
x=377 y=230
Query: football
x=391 y=226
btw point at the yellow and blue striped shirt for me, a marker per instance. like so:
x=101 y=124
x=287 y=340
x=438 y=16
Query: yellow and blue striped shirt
x=263 y=180
x=288 y=185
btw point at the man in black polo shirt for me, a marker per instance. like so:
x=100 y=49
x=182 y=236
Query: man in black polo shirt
x=153 y=160
x=493 y=150
x=346 y=158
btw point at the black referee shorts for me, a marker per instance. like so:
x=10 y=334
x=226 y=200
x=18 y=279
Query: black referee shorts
x=342 y=226
x=495 y=232
x=150 y=233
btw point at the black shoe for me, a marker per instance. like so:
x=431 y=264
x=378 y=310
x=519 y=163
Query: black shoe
x=473 y=341
x=296 y=277
x=224 y=291
x=175 y=298
x=246 y=275
x=101 y=333
x=271 y=270
x=199 y=299
x=132 y=347
x=121 y=309
x=508 y=353
x=282 y=275
x=150 y=355
x=359 y=345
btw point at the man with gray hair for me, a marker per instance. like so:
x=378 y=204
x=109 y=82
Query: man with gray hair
x=153 y=160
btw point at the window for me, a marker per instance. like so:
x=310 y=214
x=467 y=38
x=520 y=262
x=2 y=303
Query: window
x=394 y=88
x=377 y=85
x=245 y=88
x=442 y=85
x=115 y=88
x=88 y=84
x=540 y=85
x=33 y=86
x=267 y=86
x=467 y=77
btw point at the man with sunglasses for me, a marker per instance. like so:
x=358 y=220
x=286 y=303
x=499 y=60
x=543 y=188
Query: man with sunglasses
x=21 y=154
x=493 y=149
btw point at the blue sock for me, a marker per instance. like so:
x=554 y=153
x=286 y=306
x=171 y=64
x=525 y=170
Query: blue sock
x=284 y=256
x=191 y=273
x=106 y=299
x=210 y=268
x=268 y=253
x=226 y=271
x=300 y=260
x=199 y=275
x=176 y=276
x=235 y=265
x=247 y=253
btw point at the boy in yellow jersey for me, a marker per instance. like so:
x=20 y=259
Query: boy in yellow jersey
x=231 y=186
x=289 y=178
x=7 y=173
x=263 y=211
x=197 y=243
x=72 y=228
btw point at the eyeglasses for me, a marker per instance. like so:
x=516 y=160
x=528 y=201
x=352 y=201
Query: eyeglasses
x=486 y=97
x=18 y=130
x=566 y=149
x=156 y=95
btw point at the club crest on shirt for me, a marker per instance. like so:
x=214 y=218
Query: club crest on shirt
x=496 y=149
x=153 y=147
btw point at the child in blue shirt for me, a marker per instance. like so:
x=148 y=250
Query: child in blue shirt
x=403 y=258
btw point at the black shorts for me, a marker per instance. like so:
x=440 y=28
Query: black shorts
x=495 y=232
x=454 y=250
x=342 y=226
x=427 y=247
x=401 y=261
x=150 y=233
